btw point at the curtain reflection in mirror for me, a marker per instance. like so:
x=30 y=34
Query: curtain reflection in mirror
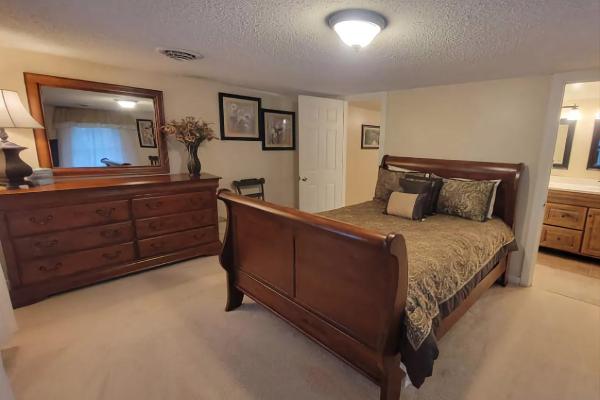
x=95 y=138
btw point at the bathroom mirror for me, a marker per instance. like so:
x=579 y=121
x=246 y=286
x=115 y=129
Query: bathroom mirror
x=594 y=157
x=96 y=128
x=564 y=142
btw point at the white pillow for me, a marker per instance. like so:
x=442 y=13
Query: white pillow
x=493 y=199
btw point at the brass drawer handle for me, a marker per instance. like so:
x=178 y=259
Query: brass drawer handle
x=44 y=221
x=105 y=212
x=110 y=233
x=112 y=256
x=155 y=205
x=56 y=266
x=47 y=244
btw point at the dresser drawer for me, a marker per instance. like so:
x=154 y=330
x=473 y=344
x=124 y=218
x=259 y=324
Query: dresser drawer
x=561 y=238
x=591 y=238
x=177 y=241
x=155 y=226
x=52 y=219
x=68 y=264
x=565 y=215
x=51 y=244
x=173 y=204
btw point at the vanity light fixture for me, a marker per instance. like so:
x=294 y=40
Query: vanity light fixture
x=574 y=114
x=357 y=27
x=126 y=103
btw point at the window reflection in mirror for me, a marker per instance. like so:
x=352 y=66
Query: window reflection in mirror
x=95 y=129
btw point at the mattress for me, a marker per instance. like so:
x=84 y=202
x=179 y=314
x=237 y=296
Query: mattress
x=447 y=257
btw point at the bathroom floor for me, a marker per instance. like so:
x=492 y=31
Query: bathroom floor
x=584 y=275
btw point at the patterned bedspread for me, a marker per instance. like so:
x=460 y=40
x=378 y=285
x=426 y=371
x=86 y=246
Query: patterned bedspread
x=444 y=254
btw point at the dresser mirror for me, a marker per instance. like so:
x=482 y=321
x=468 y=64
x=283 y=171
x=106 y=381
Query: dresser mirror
x=95 y=128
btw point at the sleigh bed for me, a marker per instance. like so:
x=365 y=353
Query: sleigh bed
x=354 y=283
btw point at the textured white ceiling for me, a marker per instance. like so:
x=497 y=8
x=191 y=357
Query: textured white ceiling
x=285 y=45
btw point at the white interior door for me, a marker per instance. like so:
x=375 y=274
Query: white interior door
x=321 y=153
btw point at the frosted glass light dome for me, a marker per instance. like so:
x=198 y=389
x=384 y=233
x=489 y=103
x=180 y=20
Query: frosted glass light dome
x=357 y=28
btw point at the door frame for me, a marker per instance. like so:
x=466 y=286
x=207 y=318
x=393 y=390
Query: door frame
x=544 y=166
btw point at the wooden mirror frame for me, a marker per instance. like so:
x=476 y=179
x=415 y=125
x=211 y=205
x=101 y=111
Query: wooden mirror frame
x=568 y=145
x=33 y=83
x=594 y=147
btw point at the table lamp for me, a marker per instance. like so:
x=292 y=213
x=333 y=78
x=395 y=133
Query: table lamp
x=13 y=114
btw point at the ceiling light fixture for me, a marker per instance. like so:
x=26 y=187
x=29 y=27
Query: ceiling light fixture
x=126 y=103
x=357 y=28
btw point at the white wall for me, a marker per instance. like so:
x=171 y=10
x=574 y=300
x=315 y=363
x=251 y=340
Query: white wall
x=183 y=96
x=361 y=164
x=582 y=140
x=501 y=121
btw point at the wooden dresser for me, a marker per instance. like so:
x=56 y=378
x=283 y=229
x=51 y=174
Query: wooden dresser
x=74 y=233
x=572 y=222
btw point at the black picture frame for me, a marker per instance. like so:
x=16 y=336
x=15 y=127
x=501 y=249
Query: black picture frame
x=139 y=132
x=568 y=144
x=263 y=114
x=362 y=137
x=227 y=136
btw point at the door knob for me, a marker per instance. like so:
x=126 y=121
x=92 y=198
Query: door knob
x=303 y=179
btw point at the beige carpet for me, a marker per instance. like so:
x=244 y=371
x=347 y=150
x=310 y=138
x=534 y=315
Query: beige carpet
x=163 y=335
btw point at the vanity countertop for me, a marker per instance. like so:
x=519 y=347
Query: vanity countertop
x=584 y=185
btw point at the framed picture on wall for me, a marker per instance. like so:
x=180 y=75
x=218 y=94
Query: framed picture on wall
x=278 y=130
x=145 y=130
x=239 y=117
x=369 y=137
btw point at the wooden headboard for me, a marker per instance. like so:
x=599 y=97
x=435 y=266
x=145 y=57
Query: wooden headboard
x=506 y=196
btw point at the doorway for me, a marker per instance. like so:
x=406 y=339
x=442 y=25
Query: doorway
x=570 y=231
x=364 y=145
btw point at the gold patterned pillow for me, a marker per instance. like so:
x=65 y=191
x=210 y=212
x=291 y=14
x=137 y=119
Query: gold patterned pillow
x=389 y=181
x=467 y=199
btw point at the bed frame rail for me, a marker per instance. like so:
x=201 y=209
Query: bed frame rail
x=343 y=286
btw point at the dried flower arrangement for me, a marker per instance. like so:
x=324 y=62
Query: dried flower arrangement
x=191 y=132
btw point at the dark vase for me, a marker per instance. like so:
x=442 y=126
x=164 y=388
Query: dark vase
x=193 y=164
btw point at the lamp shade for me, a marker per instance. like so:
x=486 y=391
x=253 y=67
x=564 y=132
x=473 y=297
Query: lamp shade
x=12 y=112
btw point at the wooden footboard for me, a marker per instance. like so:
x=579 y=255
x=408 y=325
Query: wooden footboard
x=343 y=286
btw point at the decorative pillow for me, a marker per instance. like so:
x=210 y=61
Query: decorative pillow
x=493 y=199
x=435 y=185
x=388 y=181
x=467 y=199
x=415 y=186
x=406 y=205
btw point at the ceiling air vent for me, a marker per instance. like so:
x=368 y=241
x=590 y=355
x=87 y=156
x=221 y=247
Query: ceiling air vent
x=180 y=55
